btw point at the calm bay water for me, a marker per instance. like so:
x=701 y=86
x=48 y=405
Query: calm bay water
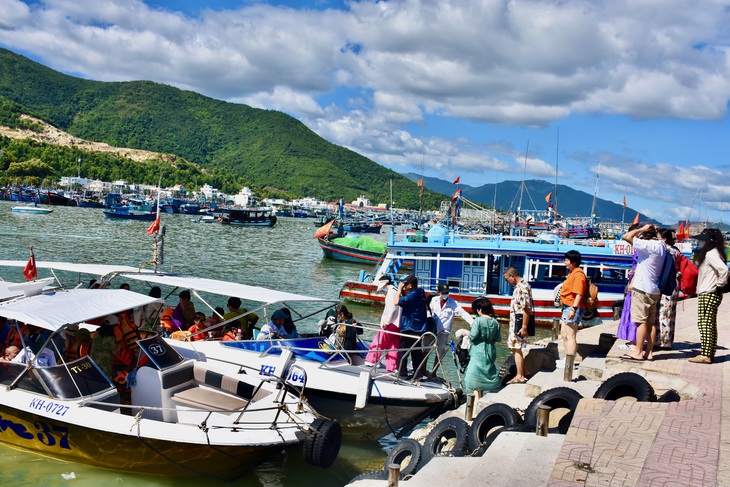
x=283 y=257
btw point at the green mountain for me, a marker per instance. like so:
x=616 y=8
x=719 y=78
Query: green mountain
x=571 y=202
x=232 y=144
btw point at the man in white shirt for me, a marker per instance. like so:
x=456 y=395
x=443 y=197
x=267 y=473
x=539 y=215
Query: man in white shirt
x=645 y=291
x=443 y=309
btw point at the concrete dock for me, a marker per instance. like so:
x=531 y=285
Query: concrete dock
x=611 y=443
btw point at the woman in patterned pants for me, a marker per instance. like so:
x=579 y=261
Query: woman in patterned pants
x=713 y=275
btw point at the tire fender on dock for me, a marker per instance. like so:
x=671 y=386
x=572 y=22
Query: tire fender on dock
x=557 y=398
x=492 y=417
x=322 y=445
x=626 y=384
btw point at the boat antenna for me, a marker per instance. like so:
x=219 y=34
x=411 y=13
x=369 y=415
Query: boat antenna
x=595 y=196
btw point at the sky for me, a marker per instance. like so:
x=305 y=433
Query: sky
x=626 y=96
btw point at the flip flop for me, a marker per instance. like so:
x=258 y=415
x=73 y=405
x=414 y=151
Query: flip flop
x=516 y=381
x=628 y=357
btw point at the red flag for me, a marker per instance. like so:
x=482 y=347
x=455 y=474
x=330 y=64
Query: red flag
x=420 y=183
x=155 y=226
x=636 y=220
x=548 y=197
x=680 y=232
x=456 y=181
x=624 y=201
x=686 y=229
x=324 y=230
x=29 y=271
x=457 y=195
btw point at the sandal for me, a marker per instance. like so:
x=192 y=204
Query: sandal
x=515 y=380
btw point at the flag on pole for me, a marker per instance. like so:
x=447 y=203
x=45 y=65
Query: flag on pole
x=636 y=220
x=324 y=230
x=155 y=225
x=456 y=181
x=548 y=197
x=29 y=271
x=686 y=229
x=624 y=201
x=680 y=232
x=420 y=183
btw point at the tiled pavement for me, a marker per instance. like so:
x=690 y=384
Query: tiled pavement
x=686 y=443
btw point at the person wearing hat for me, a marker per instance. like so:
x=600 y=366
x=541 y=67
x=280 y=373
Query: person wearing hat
x=443 y=310
x=713 y=275
x=387 y=339
x=274 y=328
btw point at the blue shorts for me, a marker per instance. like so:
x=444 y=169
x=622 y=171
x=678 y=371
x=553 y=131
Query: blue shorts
x=576 y=318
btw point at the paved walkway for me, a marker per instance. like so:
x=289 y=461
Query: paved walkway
x=683 y=443
x=614 y=443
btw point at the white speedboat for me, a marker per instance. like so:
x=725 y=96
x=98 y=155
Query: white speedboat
x=37 y=210
x=369 y=402
x=183 y=419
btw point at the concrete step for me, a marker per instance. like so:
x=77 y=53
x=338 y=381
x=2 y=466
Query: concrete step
x=516 y=459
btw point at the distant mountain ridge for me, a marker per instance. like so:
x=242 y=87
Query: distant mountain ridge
x=570 y=202
x=238 y=144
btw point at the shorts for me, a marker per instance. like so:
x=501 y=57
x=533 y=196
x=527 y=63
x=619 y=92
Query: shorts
x=643 y=306
x=515 y=342
x=576 y=318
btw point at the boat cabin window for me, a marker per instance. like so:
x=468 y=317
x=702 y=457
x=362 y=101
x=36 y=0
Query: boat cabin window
x=161 y=355
x=76 y=379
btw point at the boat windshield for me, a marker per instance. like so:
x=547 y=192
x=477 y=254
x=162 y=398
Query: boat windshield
x=76 y=379
x=159 y=352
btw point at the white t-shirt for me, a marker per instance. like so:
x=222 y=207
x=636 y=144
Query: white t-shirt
x=443 y=313
x=649 y=265
x=391 y=313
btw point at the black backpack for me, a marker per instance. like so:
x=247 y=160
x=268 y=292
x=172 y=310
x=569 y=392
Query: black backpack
x=668 y=277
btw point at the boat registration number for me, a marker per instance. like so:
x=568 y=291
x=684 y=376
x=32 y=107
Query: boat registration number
x=294 y=375
x=48 y=406
x=53 y=435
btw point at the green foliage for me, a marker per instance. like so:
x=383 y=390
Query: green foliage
x=235 y=144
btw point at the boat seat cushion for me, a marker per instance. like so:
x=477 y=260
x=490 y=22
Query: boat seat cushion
x=228 y=384
x=204 y=398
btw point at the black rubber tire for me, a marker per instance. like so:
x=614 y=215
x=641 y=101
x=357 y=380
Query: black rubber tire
x=322 y=445
x=405 y=449
x=493 y=416
x=670 y=396
x=625 y=384
x=452 y=428
x=370 y=475
x=508 y=370
x=590 y=314
x=558 y=398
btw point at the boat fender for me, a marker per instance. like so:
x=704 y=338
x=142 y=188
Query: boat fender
x=322 y=445
x=364 y=386
x=557 y=398
x=409 y=451
x=508 y=370
x=490 y=419
x=452 y=433
x=626 y=384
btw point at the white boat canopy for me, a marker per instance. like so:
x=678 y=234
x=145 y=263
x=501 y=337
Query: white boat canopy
x=200 y=284
x=55 y=310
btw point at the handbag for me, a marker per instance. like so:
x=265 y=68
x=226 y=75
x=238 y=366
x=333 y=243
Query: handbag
x=530 y=324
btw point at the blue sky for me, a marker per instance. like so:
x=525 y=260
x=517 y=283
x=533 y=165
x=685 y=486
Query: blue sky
x=637 y=90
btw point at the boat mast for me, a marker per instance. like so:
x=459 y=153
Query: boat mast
x=555 y=190
x=595 y=197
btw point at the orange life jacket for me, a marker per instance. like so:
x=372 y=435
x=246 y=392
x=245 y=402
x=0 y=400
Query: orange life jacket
x=126 y=332
x=75 y=350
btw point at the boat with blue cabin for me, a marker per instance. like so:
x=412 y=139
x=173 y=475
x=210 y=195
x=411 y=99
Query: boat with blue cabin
x=473 y=266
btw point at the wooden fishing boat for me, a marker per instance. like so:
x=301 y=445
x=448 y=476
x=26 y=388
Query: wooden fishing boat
x=124 y=213
x=248 y=217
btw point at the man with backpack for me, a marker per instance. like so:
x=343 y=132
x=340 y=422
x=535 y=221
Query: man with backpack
x=645 y=288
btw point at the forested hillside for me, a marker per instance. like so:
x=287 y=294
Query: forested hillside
x=265 y=149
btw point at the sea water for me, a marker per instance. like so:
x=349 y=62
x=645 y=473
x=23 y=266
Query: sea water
x=283 y=257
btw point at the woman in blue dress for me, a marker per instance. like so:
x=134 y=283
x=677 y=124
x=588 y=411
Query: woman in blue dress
x=481 y=373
